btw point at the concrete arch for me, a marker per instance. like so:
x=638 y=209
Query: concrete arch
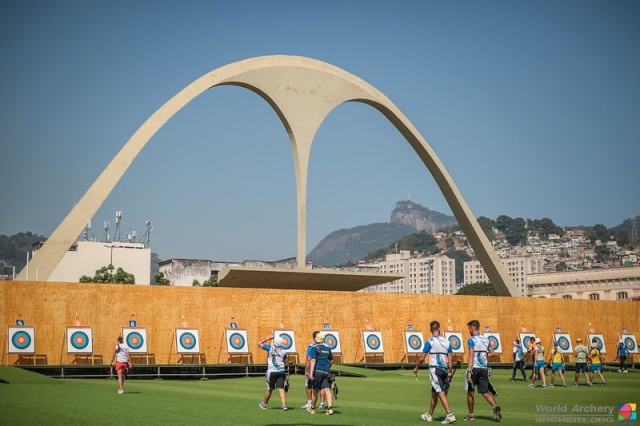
x=303 y=92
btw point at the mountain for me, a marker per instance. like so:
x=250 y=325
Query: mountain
x=353 y=244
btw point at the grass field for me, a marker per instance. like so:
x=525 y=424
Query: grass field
x=382 y=398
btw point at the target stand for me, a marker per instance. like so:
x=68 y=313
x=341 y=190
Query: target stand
x=187 y=342
x=22 y=342
x=373 y=346
x=79 y=344
x=413 y=345
x=237 y=345
x=136 y=339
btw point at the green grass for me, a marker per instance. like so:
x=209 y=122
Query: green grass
x=382 y=398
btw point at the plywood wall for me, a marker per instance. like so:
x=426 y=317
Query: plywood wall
x=51 y=307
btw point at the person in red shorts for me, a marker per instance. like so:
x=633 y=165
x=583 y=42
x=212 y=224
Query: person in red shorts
x=123 y=362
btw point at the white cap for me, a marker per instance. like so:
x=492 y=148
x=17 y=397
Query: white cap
x=538 y=340
x=278 y=341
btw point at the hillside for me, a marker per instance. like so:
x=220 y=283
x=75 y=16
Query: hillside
x=353 y=244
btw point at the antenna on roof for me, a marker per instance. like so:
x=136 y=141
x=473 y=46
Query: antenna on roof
x=147 y=235
x=116 y=237
x=106 y=237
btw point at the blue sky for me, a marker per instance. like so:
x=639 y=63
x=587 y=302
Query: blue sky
x=533 y=107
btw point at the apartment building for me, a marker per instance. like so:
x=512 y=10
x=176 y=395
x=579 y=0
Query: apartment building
x=517 y=267
x=423 y=275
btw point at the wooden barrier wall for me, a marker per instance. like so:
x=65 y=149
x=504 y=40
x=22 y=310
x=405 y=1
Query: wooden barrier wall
x=107 y=308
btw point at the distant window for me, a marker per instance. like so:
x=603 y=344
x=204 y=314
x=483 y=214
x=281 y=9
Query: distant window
x=567 y=296
x=594 y=296
x=622 y=295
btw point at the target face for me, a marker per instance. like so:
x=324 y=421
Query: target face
x=455 y=340
x=564 y=342
x=136 y=339
x=22 y=340
x=288 y=340
x=332 y=341
x=372 y=342
x=79 y=340
x=528 y=341
x=630 y=343
x=414 y=342
x=236 y=341
x=494 y=341
x=188 y=341
x=599 y=338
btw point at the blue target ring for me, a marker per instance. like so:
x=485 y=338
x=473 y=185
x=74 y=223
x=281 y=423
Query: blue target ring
x=188 y=340
x=330 y=341
x=236 y=340
x=373 y=342
x=415 y=342
x=564 y=343
x=529 y=342
x=21 y=340
x=79 y=340
x=287 y=341
x=630 y=344
x=599 y=343
x=135 y=340
x=455 y=342
x=493 y=342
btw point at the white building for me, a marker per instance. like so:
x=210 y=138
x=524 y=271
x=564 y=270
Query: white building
x=424 y=275
x=85 y=257
x=517 y=267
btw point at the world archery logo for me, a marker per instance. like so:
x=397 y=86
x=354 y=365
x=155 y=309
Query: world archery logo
x=627 y=412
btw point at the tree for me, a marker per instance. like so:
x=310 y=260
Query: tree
x=160 y=279
x=561 y=266
x=599 y=232
x=196 y=283
x=517 y=232
x=105 y=275
x=477 y=289
x=487 y=226
x=211 y=282
x=622 y=238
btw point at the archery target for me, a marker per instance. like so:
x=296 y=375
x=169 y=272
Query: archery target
x=494 y=341
x=630 y=343
x=79 y=340
x=332 y=341
x=414 y=341
x=188 y=341
x=236 y=341
x=564 y=342
x=372 y=342
x=455 y=339
x=22 y=340
x=528 y=341
x=136 y=339
x=288 y=340
x=599 y=338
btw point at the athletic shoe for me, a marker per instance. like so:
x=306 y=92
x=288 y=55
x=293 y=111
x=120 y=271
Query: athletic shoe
x=544 y=386
x=262 y=405
x=120 y=391
x=511 y=380
x=589 y=383
x=624 y=371
x=564 y=385
x=531 y=385
x=619 y=371
x=470 y=417
x=426 y=417
x=285 y=408
x=574 y=384
x=308 y=404
x=311 y=410
x=603 y=383
x=551 y=386
x=329 y=412
x=496 y=413
x=449 y=419
x=322 y=407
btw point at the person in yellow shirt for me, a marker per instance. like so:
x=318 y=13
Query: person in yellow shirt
x=596 y=364
x=557 y=364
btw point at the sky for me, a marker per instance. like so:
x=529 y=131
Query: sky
x=532 y=107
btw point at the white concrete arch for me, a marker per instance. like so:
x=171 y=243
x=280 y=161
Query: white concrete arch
x=303 y=92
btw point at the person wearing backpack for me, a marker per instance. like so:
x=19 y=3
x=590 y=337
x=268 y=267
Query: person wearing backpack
x=320 y=370
x=518 y=361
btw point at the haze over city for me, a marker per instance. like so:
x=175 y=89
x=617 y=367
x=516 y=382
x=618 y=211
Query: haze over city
x=532 y=107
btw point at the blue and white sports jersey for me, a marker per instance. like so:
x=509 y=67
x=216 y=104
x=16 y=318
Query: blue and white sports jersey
x=438 y=347
x=275 y=360
x=480 y=346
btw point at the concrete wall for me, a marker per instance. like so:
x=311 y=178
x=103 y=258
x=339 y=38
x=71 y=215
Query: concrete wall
x=51 y=307
x=90 y=256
